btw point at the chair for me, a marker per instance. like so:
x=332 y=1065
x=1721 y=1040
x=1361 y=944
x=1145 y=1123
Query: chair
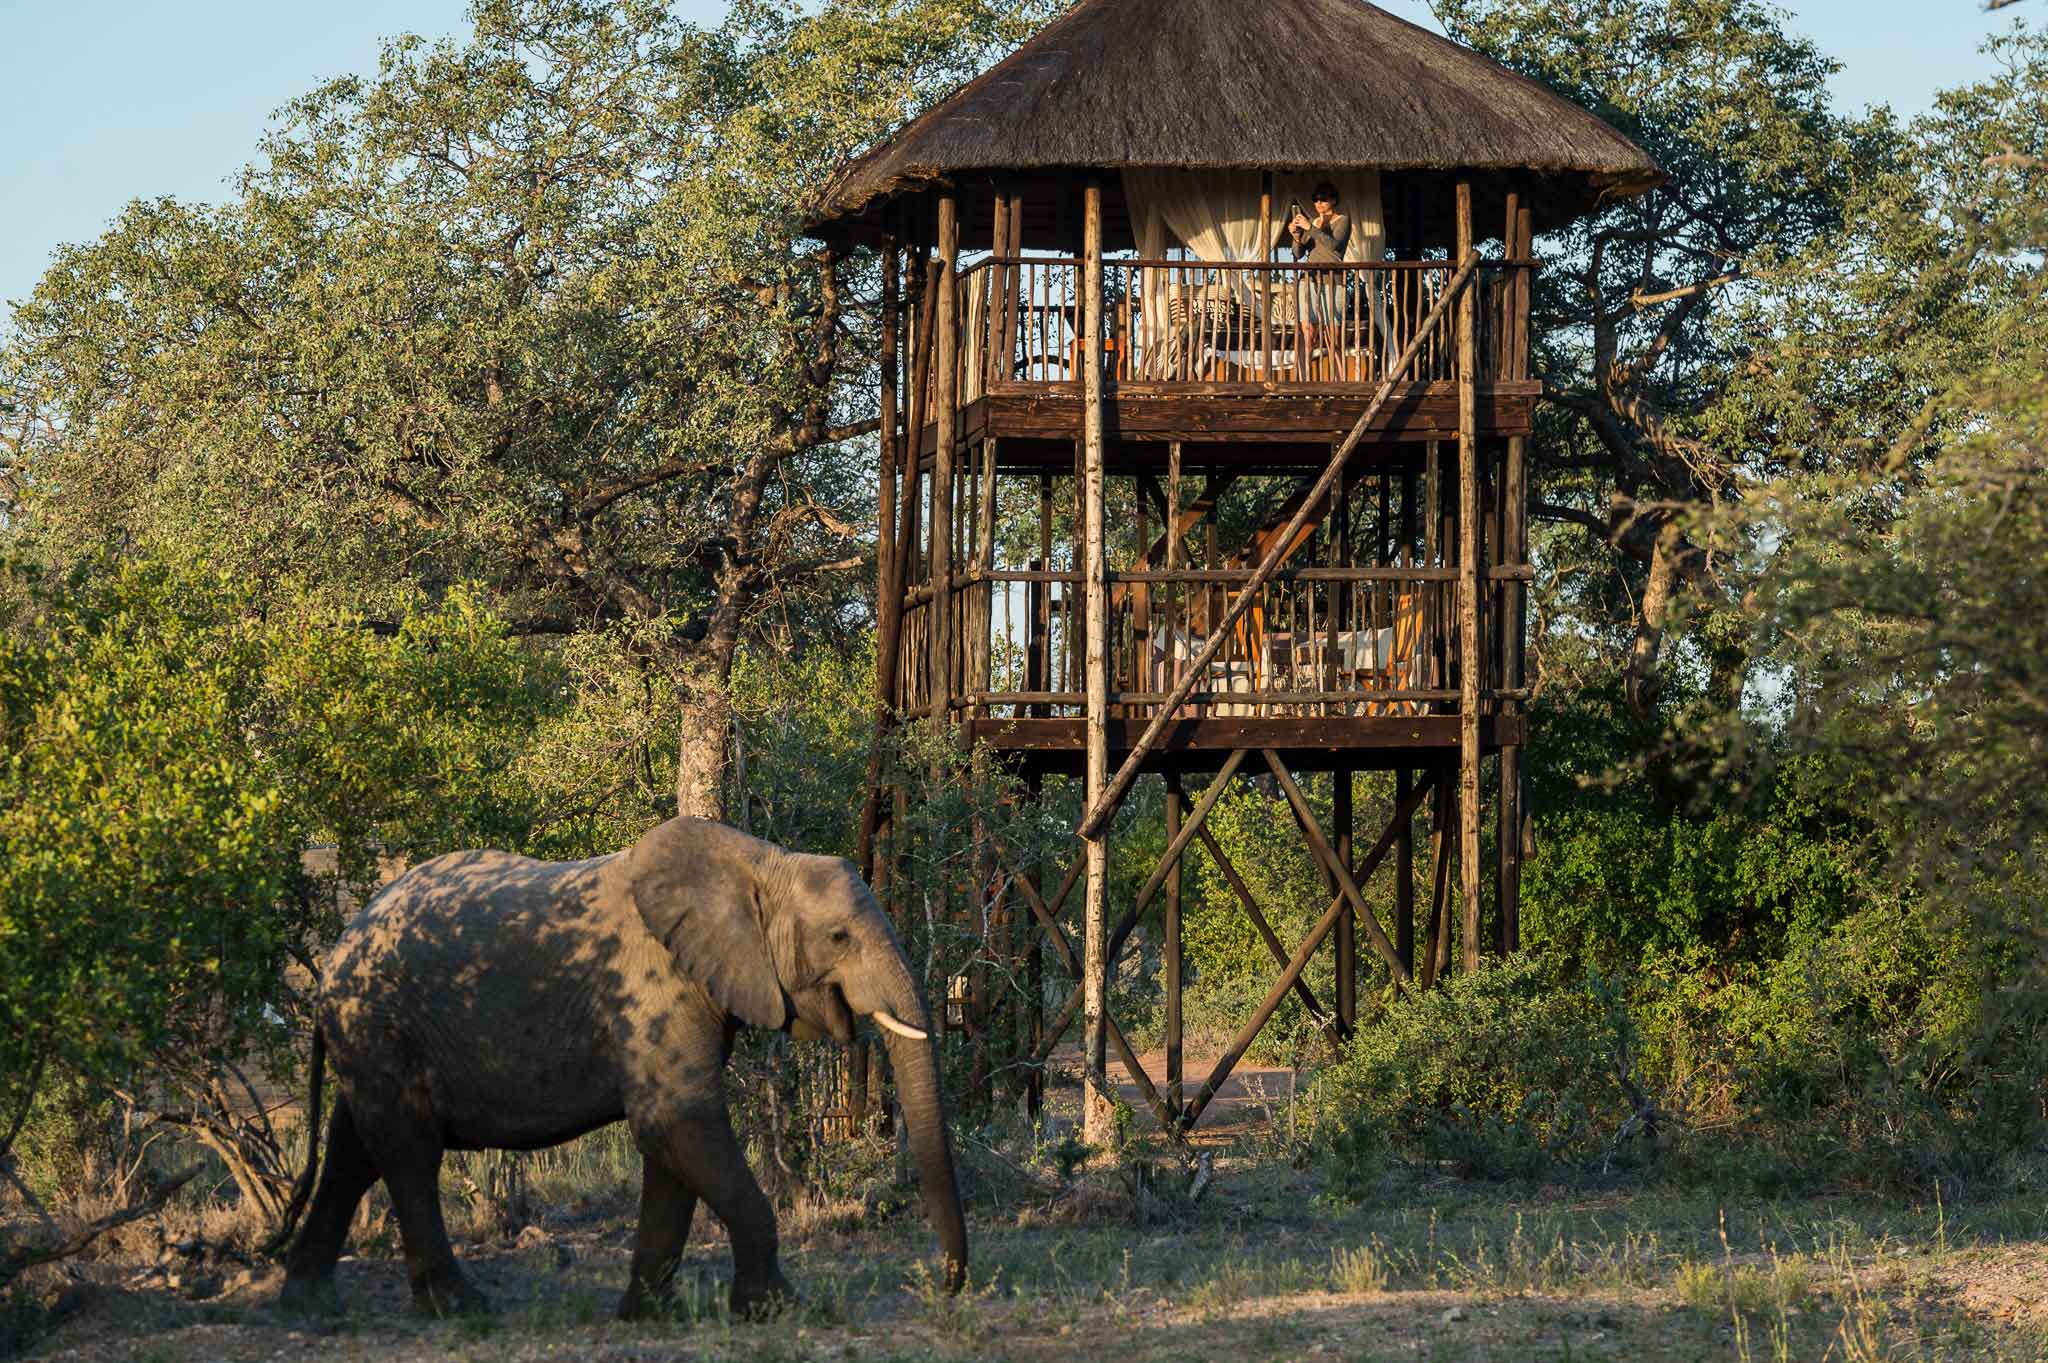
x=1395 y=671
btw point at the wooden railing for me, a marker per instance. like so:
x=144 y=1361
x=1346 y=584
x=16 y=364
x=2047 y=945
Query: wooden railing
x=1190 y=325
x=1320 y=642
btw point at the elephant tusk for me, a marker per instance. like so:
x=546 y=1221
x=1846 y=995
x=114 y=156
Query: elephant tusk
x=886 y=1019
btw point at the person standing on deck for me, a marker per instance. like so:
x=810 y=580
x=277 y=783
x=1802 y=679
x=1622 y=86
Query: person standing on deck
x=1320 y=240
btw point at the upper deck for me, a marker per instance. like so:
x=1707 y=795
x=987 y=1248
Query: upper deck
x=1223 y=356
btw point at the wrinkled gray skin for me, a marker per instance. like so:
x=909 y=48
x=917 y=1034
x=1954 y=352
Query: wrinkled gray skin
x=488 y=1001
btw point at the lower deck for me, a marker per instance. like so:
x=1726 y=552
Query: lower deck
x=1325 y=743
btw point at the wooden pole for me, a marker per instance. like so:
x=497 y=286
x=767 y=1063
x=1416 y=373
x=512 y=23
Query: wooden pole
x=1404 y=875
x=946 y=362
x=888 y=611
x=888 y=620
x=1347 y=932
x=1172 y=947
x=1096 y=1107
x=1515 y=551
x=1470 y=663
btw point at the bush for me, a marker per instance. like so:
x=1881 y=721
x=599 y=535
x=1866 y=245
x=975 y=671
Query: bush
x=1884 y=1052
x=169 y=747
x=1502 y=1073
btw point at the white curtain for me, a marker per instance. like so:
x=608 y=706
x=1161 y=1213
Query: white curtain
x=974 y=361
x=1215 y=215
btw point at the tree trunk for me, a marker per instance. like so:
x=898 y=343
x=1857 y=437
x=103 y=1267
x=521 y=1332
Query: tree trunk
x=703 y=724
x=1641 y=679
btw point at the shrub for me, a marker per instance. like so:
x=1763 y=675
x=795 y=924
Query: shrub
x=1501 y=1073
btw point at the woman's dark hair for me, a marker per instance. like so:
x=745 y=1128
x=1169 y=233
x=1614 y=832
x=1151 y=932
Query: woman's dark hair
x=1325 y=190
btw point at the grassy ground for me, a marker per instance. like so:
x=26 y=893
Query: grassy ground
x=1115 y=1263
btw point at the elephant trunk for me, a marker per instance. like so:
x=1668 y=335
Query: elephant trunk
x=917 y=1085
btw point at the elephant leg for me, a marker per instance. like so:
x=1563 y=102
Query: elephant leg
x=345 y=1176
x=410 y=1160
x=667 y=1206
x=703 y=1151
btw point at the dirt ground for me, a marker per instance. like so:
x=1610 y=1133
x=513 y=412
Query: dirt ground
x=1262 y=1267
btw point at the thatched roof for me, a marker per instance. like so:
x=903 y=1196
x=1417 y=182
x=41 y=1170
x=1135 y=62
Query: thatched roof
x=1249 y=85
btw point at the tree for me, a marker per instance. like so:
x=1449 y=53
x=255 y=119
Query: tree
x=532 y=311
x=169 y=746
x=1632 y=360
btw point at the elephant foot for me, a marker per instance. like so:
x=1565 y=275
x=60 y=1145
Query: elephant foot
x=309 y=1297
x=448 y=1294
x=763 y=1298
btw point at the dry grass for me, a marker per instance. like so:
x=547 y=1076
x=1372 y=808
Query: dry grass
x=1260 y=1268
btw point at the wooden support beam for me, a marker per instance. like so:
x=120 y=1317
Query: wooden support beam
x=1171 y=949
x=1102 y=805
x=1404 y=875
x=1347 y=924
x=1295 y=965
x=1261 y=924
x=1442 y=847
x=946 y=389
x=1514 y=553
x=1096 y=1108
x=1470 y=663
x=902 y=542
x=888 y=609
x=1174 y=848
x=1347 y=883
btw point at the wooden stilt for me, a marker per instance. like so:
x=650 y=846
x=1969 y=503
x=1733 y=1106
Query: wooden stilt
x=1096 y=1107
x=1404 y=875
x=1347 y=941
x=946 y=372
x=1514 y=552
x=1470 y=661
x=1442 y=845
x=1171 y=949
x=1034 y=963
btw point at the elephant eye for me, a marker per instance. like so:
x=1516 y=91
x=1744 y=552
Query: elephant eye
x=841 y=936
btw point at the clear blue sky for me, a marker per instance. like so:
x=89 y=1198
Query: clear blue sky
x=104 y=101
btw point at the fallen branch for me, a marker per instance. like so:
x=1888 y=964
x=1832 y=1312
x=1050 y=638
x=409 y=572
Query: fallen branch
x=19 y=1259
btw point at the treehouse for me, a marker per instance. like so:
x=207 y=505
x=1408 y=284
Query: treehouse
x=1186 y=474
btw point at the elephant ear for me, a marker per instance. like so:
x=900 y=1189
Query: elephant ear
x=694 y=887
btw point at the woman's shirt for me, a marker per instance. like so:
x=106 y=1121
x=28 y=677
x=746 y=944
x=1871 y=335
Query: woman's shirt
x=1325 y=244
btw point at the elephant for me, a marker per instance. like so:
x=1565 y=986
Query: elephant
x=484 y=1000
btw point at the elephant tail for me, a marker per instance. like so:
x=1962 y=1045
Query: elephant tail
x=303 y=1189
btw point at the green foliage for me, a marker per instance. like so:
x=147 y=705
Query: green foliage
x=170 y=750
x=1630 y=862
x=1501 y=1073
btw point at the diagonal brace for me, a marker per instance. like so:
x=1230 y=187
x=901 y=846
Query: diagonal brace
x=1057 y=935
x=1265 y=929
x=1327 y=854
x=1299 y=962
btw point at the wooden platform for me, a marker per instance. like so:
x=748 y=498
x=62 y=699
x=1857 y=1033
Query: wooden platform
x=1222 y=423
x=1364 y=743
